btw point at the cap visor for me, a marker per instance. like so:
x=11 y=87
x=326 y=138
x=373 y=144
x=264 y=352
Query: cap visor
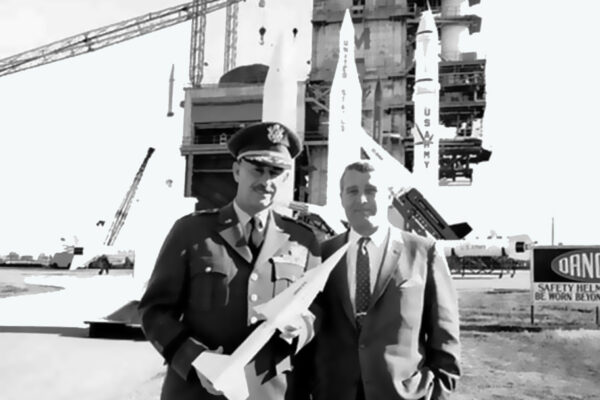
x=278 y=162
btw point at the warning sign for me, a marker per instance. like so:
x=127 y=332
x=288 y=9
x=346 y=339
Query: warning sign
x=566 y=274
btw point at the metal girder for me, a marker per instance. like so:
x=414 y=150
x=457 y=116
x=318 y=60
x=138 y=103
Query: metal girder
x=197 y=43
x=231 y=22
x=105 y=36
x=123 y=210
x=317 y=94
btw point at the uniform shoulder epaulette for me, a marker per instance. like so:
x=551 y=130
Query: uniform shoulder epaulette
x=298 y=222
x=206 y=211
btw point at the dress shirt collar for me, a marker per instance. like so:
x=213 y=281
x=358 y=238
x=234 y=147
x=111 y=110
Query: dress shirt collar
x=377 y=238
x=244 y=217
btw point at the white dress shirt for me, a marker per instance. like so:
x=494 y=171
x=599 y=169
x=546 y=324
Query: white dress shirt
x=244 y=218
x=375 y=248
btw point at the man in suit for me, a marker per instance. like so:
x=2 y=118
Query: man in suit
x=390 y=325
x=216 y=265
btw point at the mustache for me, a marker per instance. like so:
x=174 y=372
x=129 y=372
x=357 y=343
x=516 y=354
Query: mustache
x=364 y=209
x=263 y=188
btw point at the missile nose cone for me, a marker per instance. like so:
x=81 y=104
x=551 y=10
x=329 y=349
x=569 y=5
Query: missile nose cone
x=426 y=23
x=347 y=28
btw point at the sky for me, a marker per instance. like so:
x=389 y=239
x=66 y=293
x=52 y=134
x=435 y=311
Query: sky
x=73 y=133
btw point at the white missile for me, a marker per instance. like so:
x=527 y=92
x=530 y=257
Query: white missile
x=516 y=247
x=280 y=96
x=347 y=137
x=400 y=177
x=345 y=112
x=426 y=100
x=226 y=372
x=171 y=82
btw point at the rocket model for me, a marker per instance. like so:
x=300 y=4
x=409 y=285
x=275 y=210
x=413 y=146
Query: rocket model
x=226 y=372
x=280 y=97
x=426 y=99
x=345 y=112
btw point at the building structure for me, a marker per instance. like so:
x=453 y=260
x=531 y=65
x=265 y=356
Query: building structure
x=384 y=47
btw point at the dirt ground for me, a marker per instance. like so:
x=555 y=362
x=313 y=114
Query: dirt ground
x=504 y=355
x=507 y=357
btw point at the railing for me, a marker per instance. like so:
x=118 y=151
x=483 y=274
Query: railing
x=221 y=138
x=462 y=79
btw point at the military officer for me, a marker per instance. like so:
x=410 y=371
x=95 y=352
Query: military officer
x=216 y=265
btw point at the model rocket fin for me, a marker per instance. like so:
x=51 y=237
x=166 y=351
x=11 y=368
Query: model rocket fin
x=230 y=381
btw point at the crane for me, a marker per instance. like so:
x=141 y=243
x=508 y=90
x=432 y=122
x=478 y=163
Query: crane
x=123 y=210
x=108 y=35
x=231 y=20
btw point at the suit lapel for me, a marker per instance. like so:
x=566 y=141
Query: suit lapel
x=231 y=231
x=339 y=279
x=275 y=239
x=389 y=264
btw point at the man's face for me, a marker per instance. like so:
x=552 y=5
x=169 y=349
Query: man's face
x=365 y=201
x=257 y=184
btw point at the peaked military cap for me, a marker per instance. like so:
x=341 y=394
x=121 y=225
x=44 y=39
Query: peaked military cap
x=270 y=143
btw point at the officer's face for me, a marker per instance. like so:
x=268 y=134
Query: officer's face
x=257 y=184
x=365 y=200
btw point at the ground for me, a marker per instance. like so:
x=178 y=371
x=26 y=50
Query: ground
x=505 y=356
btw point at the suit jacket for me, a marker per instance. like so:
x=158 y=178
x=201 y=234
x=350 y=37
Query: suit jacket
x=202 y=294
x=408 y=345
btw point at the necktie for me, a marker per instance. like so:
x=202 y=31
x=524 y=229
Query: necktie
x=255 y=236
x=363 y=283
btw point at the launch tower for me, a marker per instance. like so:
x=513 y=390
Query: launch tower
x=384 y=45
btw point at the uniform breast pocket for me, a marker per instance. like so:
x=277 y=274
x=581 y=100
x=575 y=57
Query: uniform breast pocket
x=285 y=273
x=209 y=284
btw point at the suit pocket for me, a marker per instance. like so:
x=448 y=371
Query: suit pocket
x=209 y=283
x=410 y=295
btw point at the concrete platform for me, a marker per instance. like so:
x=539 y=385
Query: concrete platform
x=47 y=351
x=81 y=299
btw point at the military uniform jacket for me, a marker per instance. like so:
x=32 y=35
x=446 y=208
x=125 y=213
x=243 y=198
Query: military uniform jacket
x=408 y=344
x=204 y=287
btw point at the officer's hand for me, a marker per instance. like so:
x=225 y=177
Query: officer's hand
x=203 y=380
x=297 y=326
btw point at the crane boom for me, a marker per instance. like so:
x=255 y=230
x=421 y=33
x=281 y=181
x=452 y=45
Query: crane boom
x=111 y=34
x=123 y=210
x=197 y=43
x=231 y=21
